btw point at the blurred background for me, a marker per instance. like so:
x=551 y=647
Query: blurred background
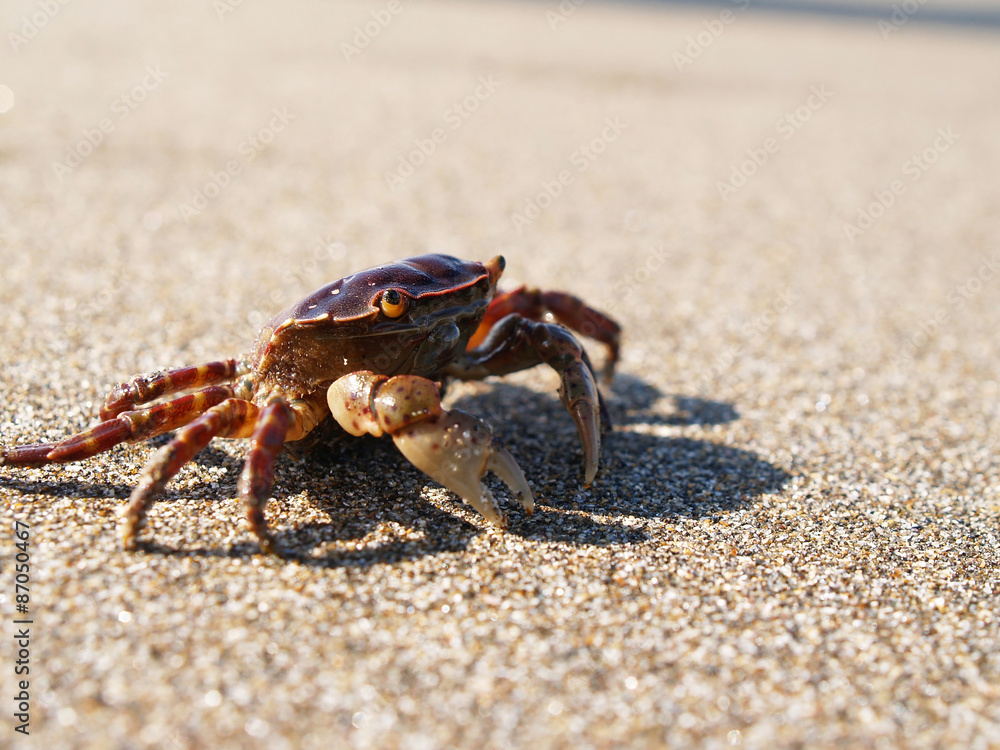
x=518 y=94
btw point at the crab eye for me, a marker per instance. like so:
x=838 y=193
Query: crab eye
x=393 y=303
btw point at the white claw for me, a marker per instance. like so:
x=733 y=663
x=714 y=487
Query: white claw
x=456 y=449
x=504 y=466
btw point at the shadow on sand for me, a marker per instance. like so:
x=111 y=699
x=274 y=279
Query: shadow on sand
x=644 y=476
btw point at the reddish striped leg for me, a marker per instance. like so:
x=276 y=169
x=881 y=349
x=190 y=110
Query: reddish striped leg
x=129 y=425
x=257 y=478
x=151 y=385
x=233 y=418
x=566 y=309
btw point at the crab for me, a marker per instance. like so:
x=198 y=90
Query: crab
x=370 y=351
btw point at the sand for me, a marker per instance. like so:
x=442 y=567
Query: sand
x=793 y=541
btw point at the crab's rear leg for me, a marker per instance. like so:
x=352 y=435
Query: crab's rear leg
x=268 y=427
x=149 y=386
x=567 y=309
x=517 y=343
x=280 y=421
x=232 y=418
x=452 y=447
x=141 y=424
x=257 y=477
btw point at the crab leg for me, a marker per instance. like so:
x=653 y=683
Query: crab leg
x=151 y=385
x=129 y=425
x=567 y=309
x=451 y=447
x=232 y=418
x=278 y=422
x=516 y=343
x=257 y=477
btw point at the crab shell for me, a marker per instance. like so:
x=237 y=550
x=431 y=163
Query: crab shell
x=340 y=328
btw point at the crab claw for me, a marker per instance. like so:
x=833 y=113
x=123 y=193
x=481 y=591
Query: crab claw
x=516 y=343
x=580 y=396
x=451 y=447
x=456 y=449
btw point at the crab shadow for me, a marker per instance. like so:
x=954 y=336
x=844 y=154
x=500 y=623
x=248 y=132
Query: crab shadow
x=645 y=477
x=66 y=488
x=633 y=400
x=645 y=474
x=378 y=512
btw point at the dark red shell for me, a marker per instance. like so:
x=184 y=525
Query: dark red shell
x=340 y=327
x=356 y=296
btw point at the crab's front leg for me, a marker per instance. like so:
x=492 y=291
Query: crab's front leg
x=517 y=343
x=451 y=447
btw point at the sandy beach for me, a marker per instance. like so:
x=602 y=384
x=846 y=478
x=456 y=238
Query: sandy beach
x=793 y=540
